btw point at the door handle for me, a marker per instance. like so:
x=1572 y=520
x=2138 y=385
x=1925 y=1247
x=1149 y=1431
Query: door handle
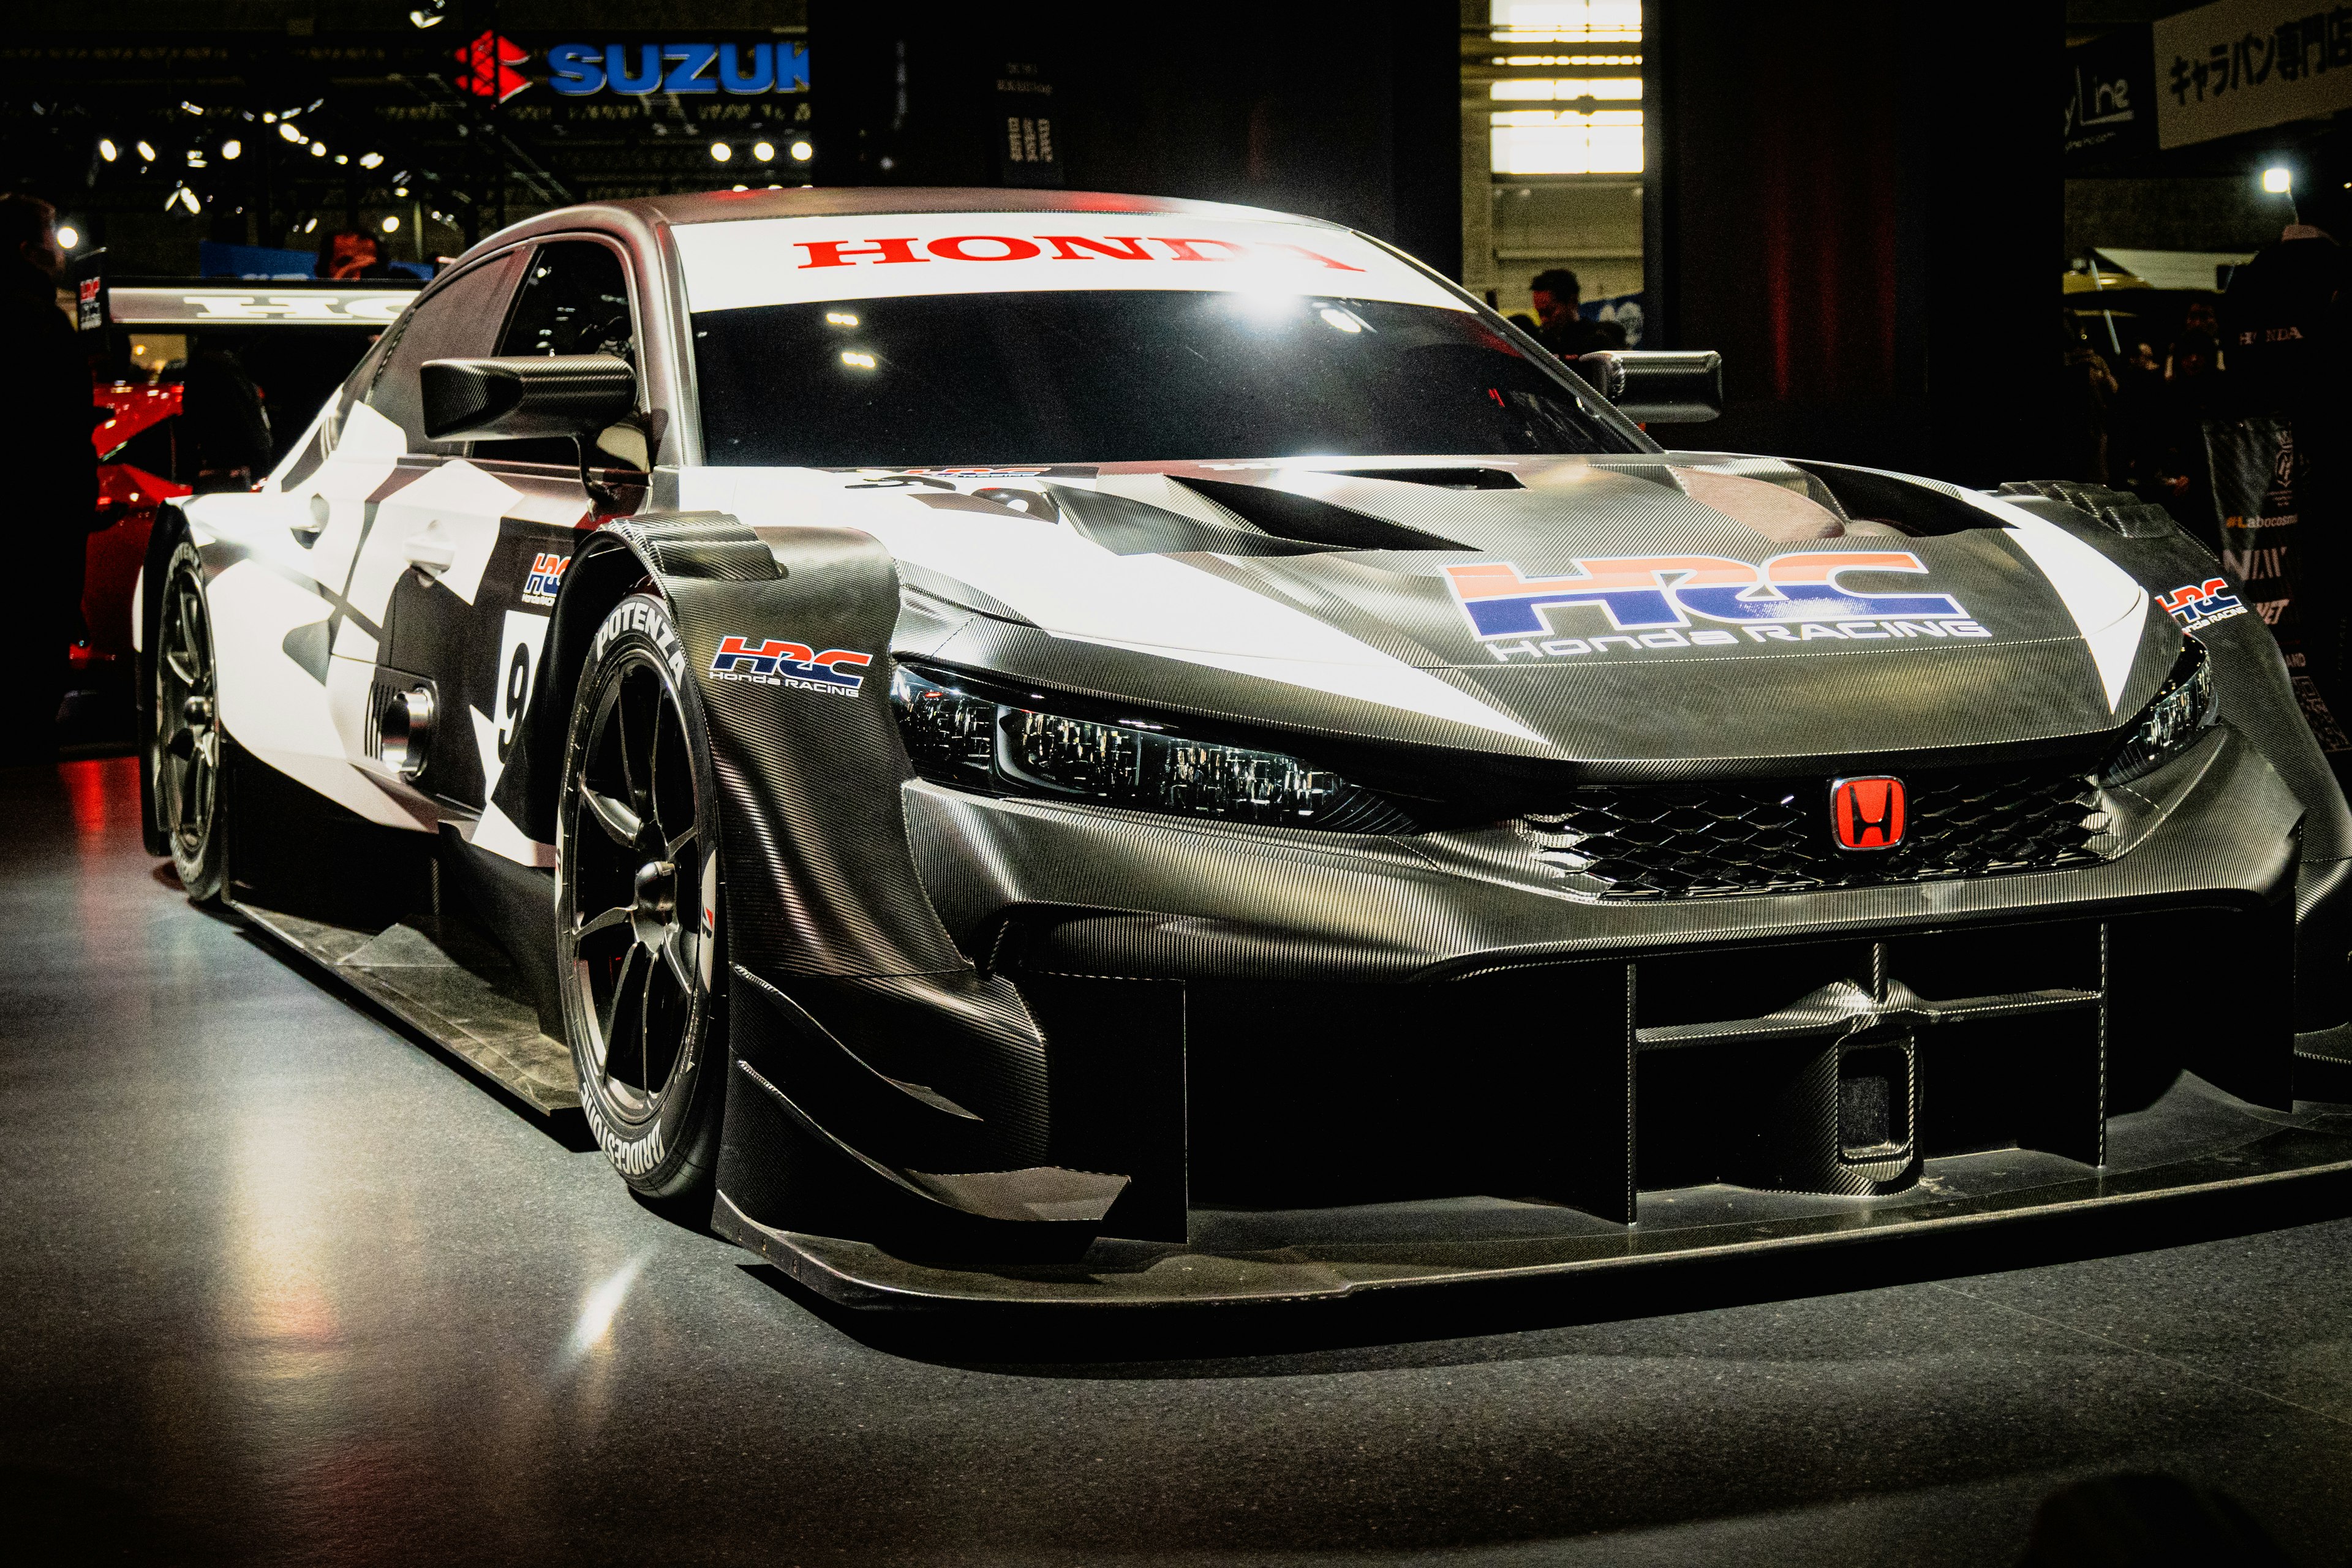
x=428 y=552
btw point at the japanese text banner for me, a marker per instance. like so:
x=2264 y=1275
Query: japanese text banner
x=2240 y=65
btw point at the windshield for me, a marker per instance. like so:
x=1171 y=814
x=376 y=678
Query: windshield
x=1125 y=376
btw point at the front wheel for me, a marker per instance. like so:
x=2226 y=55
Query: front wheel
x=637 y=905
x=184 y=745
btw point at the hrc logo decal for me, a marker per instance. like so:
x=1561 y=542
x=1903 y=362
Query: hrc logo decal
x=776 y=663
x=1641 y=592
x=546 y=577
x=2201 y=603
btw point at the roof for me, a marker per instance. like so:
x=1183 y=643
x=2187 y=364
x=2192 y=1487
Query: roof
x=825 y=201
x=643 y=214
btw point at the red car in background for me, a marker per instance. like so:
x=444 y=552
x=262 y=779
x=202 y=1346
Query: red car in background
x=134 y=438
x=183 y=362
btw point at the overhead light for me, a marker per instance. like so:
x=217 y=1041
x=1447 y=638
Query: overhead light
x=343 y=157
x=183 y=196
x=739 y=187
x=720 y=152
x=371 y=160
x=840 y=319
x=862 y=362
x=232 y=149
x=69 y=236
x=802 y=152
x=146 y=151
x=317 y=149
x=190 y=108
x=400 y=190
x=195 y=158
x=431 y=13
x=267 y=118
x=764 y=151
x=108 y=150
x=287 y=130
x=392 y=223
x=2278 y=182
x=310 y=226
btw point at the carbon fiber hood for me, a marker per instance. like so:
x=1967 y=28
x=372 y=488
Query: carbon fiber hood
x=1681 y=608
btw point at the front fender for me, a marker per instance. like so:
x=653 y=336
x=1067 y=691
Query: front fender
x=889 y=1039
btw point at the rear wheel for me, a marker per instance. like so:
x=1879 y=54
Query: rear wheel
x=636 y=906
x=184 y=751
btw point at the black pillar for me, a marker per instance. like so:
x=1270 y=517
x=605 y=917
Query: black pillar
x=1351 y=116
x=1862 y=227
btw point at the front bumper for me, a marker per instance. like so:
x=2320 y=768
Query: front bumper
x=1324 y=1065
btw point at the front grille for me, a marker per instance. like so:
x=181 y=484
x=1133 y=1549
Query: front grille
x=1773 y=835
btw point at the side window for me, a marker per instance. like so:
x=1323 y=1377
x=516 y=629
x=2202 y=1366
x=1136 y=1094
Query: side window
x=460 y=320
x=574 y=301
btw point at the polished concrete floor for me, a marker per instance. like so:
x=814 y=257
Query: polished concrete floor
x=279 y=1283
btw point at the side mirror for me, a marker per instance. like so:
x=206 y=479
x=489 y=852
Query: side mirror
x=1653 y=386
x=577 y=395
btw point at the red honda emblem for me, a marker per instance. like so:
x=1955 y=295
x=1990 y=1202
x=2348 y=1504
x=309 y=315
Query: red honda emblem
x=1866 y=813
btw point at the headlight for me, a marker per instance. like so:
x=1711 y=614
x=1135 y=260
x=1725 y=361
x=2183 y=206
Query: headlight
x=955 y=736
x=2171 y=722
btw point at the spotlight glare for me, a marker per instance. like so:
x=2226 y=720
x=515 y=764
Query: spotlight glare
x=146 y=151
x=232 y=149
x=720 y=152
x=371 y=160
x=311 y=226
x=400 y=190
x=851 y=357
x=286 y=129
x=392 y=223
x=69 y=236
x=108 y=150
x=802 y=152
x=317 y=149
x=764 y=151
x=2278 y=182
x=343 y=157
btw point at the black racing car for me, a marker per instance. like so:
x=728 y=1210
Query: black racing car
x=1055 y=747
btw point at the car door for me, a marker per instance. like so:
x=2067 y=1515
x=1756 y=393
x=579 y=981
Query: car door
x=574 y=299
x=421 y=548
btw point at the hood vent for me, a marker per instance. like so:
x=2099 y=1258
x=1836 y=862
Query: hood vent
x=1125 y=526
x=1316 y=522
x=1461 y=478
x=1920 y=511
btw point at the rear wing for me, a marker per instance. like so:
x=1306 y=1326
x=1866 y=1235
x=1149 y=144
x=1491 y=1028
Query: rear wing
x=163 y=304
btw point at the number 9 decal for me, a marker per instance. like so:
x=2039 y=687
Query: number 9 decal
x=518 y=667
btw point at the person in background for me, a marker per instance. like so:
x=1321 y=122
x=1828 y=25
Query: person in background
x=2286 y=352
x=45 y=406
x=1558 y=328
x=349 y=254
x=2086 y=403
x=2183 y=475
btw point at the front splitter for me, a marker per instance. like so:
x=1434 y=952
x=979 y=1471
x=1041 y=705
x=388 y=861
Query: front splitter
x=2224 y=1153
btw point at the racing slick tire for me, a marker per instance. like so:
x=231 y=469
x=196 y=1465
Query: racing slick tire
x=186 y=754
x=638 y=898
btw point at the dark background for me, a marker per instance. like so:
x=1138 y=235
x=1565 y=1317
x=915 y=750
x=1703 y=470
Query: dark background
x=1858 y=206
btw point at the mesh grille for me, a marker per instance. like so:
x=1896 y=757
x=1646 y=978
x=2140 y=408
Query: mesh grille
x=1767 y=836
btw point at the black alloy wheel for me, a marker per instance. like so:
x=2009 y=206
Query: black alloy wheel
x=185 y=753
x=636 y=906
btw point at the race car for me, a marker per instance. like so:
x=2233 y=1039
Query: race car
x=1017 y=746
